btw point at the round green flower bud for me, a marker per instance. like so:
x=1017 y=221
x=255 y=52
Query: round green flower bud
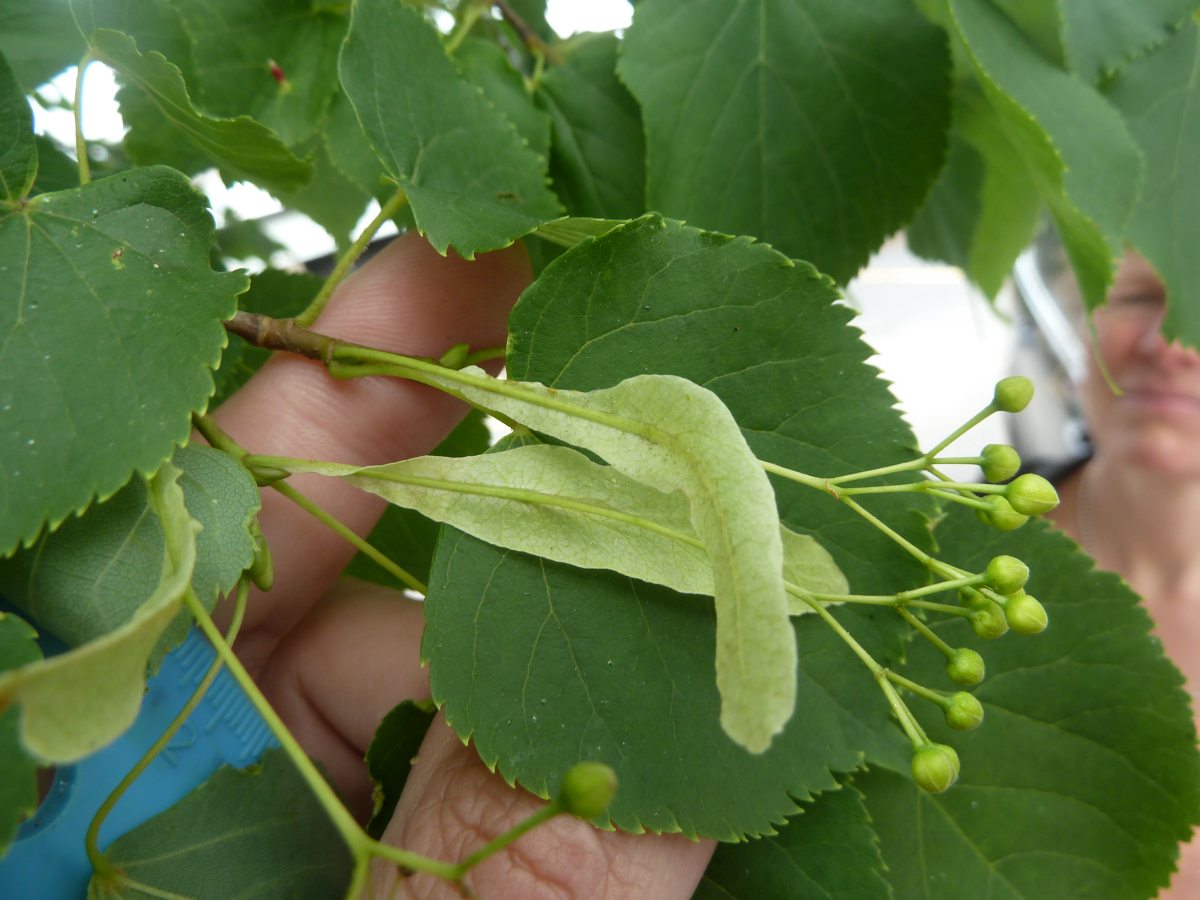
x=1000 y=462
x=1025 y=614
x=587 y=789
x=1031 y=495
x=965 y=666
x=989 y=621
x=1006 y=574
x=1000 y=514
x=262 y=567
x=935 y=767
x=1013 y=393
x=455 y=357
x=964 y=711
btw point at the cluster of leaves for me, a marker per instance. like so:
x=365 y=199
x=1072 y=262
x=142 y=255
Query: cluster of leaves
x=818 y=127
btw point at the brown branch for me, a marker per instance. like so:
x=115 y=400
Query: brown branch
x=281 y=334
x=531 y=38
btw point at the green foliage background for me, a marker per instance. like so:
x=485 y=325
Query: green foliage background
x=812 y=128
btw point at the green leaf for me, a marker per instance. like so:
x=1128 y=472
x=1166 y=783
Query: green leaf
x=241 y=239
x=391 y=755
x=828 y=852
x=943 y=228
x=240 y=145
x=541 y=664
x=254 y=832
x=156 y=25
x=597 y=159
x=1085 y=770
x=35 y=51
x=18 y=152
x=56 y=171
x=1102 y=35
x=554 y=502
x=486 y=64
x=1010 y=206
x=350 y=151
x=234 y=45
x=78 y=701
x=476 y=189
x=275 y=293
x=764 y=118
x=533 y=14
x=983 y=211
x=110 y=329
x=330 y=199
x=18 y=772
x=1081 y=157
x=406 y=537
x=571 y=230
x=1159 y=95
x=90 y=576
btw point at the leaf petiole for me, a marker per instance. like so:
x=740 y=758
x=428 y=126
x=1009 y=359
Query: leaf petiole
x=359 y=843
x=100 y=864
x=359 y=543
x=348 y=259
x=85 y=175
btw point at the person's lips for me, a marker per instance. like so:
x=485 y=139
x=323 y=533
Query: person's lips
x=1164 y=399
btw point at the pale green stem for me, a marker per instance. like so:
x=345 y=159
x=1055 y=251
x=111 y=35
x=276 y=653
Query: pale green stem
x=360 y=878
x=85 y=173
x=918 y=487
x=912 y=465
x=961 y=430
x=484 y=355
x=347 y=260
x=470 y=15
x=821 y=484
x=545 y=814
x=912 y=728
x=919 y=689
x=940 y=607
x=99 y=861
x=356 y=840
x=957 y=461
x=859 y=650
x=433 y=374
x=963 y=499
x=212 y=433
x=347 y=534
x=925 y=631
x=910 y=725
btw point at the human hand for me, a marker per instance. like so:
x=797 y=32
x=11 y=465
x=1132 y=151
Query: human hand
x=334 y=656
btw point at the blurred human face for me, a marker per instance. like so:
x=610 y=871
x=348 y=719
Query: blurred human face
x=1155 y=423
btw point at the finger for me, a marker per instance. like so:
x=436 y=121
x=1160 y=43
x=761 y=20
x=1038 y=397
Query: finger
x=452 y=805
x=335 y=676
x=408 y=300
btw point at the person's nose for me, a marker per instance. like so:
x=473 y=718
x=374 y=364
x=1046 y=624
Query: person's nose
x=1154 y=345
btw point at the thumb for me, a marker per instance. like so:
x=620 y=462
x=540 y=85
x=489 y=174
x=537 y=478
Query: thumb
x=408 y=299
